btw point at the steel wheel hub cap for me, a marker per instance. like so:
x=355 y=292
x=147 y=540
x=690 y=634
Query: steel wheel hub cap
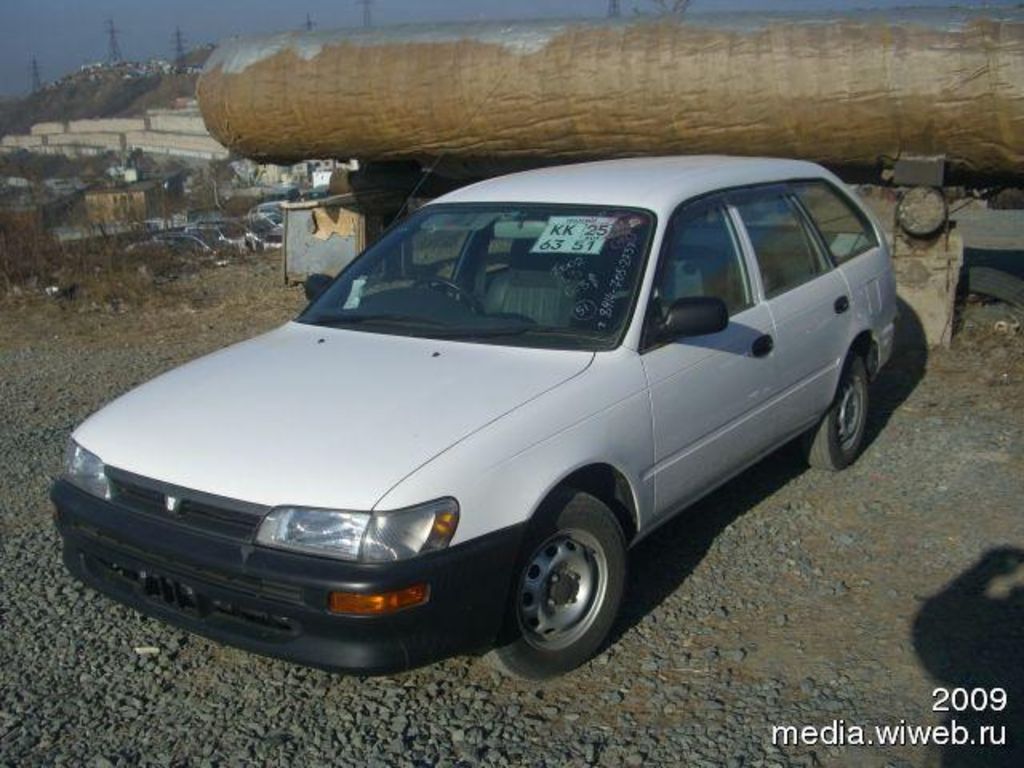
x=849 y=415
x=562 y=589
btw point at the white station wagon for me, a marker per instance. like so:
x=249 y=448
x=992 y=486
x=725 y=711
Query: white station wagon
x=456 y=443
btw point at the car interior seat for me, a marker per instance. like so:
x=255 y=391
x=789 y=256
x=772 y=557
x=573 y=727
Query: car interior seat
x=529 y=288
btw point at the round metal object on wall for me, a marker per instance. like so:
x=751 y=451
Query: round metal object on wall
x=922 y=211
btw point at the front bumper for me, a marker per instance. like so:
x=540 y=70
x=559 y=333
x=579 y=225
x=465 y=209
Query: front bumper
x=275 y=602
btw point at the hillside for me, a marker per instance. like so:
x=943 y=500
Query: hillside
x=120 y=91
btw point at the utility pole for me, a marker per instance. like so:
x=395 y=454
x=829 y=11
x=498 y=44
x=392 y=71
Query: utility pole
x=180 y=55
x=37 y=80
x=113 y=47
x=367 y=15
x=309 y=23
x=614 y=9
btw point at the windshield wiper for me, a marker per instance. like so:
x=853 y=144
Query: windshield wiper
x=336 y=321
x=515 y=330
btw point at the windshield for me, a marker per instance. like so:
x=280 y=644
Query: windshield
x=531 y=275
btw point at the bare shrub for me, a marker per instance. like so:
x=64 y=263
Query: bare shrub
x=99 y=268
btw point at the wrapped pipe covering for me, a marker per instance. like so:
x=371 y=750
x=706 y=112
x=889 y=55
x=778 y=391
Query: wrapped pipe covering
x=841 y=89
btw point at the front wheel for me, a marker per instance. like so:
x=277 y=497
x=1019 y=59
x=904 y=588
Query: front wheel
x=566 y=591
x=837 y=441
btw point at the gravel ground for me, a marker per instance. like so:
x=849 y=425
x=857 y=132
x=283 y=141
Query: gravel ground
x=788 y=598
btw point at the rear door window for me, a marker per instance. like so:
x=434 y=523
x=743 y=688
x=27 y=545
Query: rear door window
x=786 y=251
x=845 y=230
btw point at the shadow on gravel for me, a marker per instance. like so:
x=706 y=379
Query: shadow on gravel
x=971 y=636
x=660 y=563
x=901 y=376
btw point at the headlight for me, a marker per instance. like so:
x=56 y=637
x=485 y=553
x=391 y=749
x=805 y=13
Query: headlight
x=85 y=470
x=376 y=537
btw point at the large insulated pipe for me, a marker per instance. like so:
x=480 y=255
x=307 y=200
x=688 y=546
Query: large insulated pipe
x=840 y=89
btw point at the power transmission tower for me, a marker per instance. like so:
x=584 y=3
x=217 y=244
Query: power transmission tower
x=367 y=15
x=180 y=56
x=113 y=47
x=671 y=7
x=614 y=9
x=37 y=80
x=309 y=23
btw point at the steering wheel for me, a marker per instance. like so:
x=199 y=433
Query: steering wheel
x=455 y=291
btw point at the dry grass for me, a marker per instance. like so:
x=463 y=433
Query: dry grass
x=99 y=270
x=148 y=295
x=212 y=306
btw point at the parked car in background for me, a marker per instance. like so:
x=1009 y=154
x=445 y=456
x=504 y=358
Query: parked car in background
x=269 y=212
x=221 y=235
x=199 y=217
x=178 y=241
x=485 y=411
x=263 y=233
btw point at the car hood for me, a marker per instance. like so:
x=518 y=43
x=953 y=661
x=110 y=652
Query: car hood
x=318 y=417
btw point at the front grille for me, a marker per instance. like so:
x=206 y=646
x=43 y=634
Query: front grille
x=223 y=517
x=249 y=586
x=172 y=593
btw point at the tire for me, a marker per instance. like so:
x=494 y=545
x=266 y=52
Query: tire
x=566 y=590
x=996 y=284
x=839 y=438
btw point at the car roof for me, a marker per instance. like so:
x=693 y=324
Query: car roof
x=657 y=183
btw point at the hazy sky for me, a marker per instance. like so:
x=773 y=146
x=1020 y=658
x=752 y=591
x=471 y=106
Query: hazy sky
x=63 y=34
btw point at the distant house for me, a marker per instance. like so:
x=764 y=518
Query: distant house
x=30 y=213
x=131 y=203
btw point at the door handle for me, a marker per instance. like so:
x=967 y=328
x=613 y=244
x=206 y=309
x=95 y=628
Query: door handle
x=842 y=304
x=762 y=345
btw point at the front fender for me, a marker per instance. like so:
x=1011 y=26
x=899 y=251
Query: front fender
x=502 y=473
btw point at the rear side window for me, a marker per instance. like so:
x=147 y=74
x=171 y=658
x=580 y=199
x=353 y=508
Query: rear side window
x=845 y=229
x=786 y=251
x=703 y=259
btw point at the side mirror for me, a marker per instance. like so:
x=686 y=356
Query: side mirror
x=316 y=284
x=697 y=316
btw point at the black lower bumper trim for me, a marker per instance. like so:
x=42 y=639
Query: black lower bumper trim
x=275 y=603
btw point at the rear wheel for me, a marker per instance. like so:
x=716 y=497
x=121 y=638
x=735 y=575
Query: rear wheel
x=837 y=441
x=567 y=589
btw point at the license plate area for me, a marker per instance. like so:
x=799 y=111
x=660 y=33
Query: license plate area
x=170 y=592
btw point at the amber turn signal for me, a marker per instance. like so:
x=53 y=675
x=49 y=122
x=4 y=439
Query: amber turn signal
x=379 y=603
x=444 y=526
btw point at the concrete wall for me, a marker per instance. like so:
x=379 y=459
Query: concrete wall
x=171 y=140
x=22 y=142
x=175 y=144
x=178 y=133
x=927 y=274
x=107 y=125
x=171 y=123
x=71 y=150
x=105 y=141
x=42 y=129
